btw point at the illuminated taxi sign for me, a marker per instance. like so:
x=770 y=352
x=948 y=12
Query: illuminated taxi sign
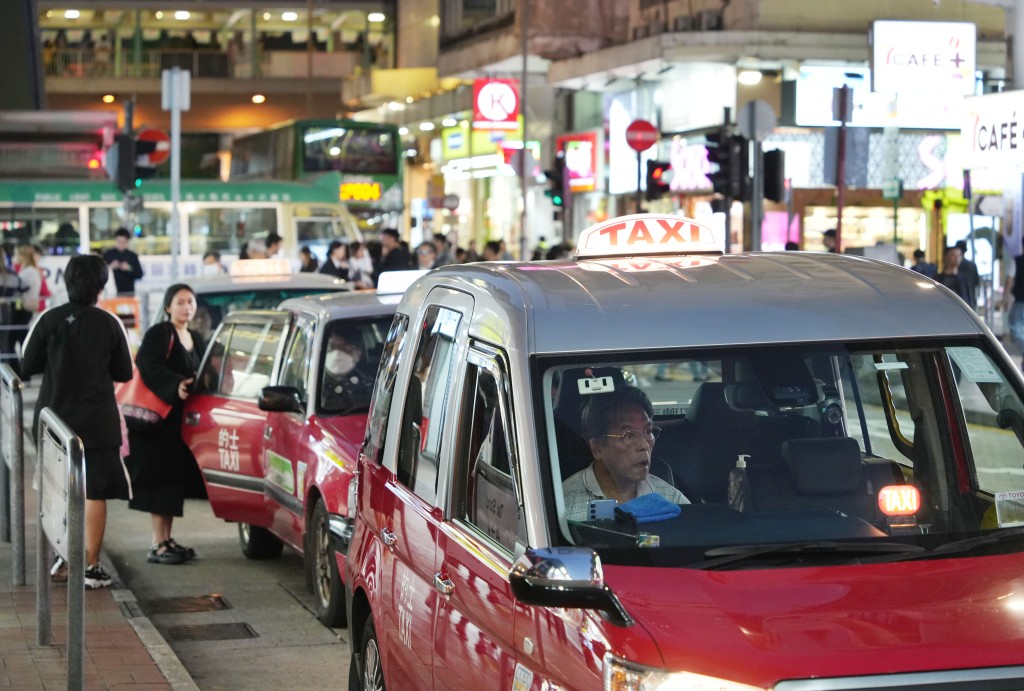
x=646 y=234
x=899 y=500
x=359 y=192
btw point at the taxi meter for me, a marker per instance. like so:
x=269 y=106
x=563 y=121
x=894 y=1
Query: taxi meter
x=647 y=234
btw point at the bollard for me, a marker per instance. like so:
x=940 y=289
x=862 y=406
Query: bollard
x=61 y=458
x=12 y=448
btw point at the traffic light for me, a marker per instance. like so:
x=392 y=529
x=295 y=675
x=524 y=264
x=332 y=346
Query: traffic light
x=729 y=152
x=775 y=175
x=659 y=175
x=143 y=168
x=121 y=162
x=556 y=180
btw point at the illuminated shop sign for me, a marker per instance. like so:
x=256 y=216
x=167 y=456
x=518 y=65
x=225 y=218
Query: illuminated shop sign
x=928 y=57
x=993 y=130
x=495 y=104
x=582 y=160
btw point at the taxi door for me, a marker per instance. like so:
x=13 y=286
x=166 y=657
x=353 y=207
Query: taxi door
x=473 y=630
x=286 y=449
x=410 y=499
x=222 y=423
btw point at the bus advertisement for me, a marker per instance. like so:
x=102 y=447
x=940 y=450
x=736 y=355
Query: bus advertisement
x=361 y=161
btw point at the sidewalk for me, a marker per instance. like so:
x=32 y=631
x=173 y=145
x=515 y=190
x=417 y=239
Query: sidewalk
x=122 y=649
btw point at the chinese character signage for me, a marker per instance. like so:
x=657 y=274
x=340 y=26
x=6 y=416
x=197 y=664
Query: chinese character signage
x=933 y=57
x=495 y=104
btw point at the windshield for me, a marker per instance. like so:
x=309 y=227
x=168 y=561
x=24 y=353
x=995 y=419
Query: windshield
x=211 y=308
x=807 y=447
x=350 y=357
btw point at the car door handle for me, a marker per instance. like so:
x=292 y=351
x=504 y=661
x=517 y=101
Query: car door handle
x=443 y=585
x=192 y=419
x=268 y=432
x=388 y=537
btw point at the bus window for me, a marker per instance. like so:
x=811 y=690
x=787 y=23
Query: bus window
x=225 y=229
x=150 y=229
x=54 y=229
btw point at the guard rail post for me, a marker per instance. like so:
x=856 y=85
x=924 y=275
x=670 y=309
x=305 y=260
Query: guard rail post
x=60 y=457
x=12 y=448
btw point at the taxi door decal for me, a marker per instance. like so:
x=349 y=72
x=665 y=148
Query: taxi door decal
x=280 y=472
x=523 y=679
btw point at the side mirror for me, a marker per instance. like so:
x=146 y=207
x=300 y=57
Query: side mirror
x=569 y=577
x=281 y=399
x=1008 y=418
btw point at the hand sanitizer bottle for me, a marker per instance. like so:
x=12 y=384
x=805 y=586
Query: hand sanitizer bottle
x=738 y=483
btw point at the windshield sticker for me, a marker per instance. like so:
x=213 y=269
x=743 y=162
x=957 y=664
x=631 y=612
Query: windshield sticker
x=523 y=679
x=884 y=366
x=974 y=365
x=589 y=385
x=1010 y=508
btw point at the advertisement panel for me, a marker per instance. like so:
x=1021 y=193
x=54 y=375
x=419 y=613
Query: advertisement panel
x=582 y=160
x=930 y=57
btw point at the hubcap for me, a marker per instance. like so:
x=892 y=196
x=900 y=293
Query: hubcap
x=373 y=677
x=244 y=530
x=323 y=565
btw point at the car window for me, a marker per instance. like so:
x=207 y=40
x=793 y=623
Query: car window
x=213 y=368
x=250 y=359
x=426 y=402
x=295 y=368
x=380 y=402
x=484 y=493
x=350 y=356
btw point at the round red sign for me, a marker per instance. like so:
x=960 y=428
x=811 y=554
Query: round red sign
x=641 y=135
x=163 y=145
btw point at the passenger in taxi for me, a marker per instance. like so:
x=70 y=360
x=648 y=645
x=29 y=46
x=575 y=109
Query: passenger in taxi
x=345 y=384
x=619 y=430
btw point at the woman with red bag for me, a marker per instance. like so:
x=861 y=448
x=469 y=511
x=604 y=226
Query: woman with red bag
x=164 y=472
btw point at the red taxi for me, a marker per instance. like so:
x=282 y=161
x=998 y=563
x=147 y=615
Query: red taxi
x=657 y=466
x=277 y=419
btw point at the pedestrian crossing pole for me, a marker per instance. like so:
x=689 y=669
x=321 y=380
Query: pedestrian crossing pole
x=175 y=96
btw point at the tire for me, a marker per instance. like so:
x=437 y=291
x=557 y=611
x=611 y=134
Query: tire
x=368 y=675
x=328 y=594
x=258 y=543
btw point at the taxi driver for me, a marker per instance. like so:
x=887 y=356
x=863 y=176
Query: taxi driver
x=345 y=384
x=619 y=431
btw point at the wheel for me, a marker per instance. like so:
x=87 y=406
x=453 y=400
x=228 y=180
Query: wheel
x=327 y=591
x=258 y=543
x=367 y=673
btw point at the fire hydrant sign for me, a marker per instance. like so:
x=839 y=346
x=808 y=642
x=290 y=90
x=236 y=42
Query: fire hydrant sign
x=496 y=104
x=992 y=133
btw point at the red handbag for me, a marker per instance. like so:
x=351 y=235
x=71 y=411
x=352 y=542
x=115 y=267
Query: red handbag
x=143 y=410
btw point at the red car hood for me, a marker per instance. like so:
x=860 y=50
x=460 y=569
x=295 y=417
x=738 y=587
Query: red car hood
x=762 y=626
x=347 y=431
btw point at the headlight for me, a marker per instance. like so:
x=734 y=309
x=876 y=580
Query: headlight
x=622 y=675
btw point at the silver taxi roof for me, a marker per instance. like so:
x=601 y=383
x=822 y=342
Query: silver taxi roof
x=699 y=300
x=225 y=283
x=361 y=303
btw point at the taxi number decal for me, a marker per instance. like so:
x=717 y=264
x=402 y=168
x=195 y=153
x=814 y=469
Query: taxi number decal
x=405 y=596
x=523 y=679
x=279 y=472
x=227 y=449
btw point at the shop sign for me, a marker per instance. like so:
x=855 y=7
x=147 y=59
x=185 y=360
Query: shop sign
x=582 y=160
x=455 y=141
x=495 y=104
x=993 y=133
x=690 y=166
x=359 y=192
x=933 y=57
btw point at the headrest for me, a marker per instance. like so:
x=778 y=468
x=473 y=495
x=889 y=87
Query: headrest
x=823 y=466
x=708 y=401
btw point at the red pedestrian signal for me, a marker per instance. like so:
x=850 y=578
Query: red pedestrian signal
x=659 y=179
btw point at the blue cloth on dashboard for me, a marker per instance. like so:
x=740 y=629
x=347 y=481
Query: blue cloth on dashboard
x=648 y=508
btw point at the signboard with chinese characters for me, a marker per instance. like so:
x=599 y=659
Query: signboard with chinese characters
x=495 y=104
x=932 y=57
x=992 y=134
x=582 y=160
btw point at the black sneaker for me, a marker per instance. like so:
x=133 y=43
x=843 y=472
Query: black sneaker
x=164 y=553
x=186 y=552
x=59 y=571
x=97 y=577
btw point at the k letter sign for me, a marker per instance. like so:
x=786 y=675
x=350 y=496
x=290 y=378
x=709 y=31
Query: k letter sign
x=495 y=104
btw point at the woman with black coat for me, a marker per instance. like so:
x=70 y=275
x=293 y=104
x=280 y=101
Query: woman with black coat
x=164 y=471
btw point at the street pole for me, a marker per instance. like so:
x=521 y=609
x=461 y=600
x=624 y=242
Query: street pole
x=844 y=96
x=525 y=46
x=727 y=199
x=639 y=176
x=176 y=97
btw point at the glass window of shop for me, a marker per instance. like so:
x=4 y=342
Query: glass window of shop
x=55 y=230
x=866 y=226
x=226 y=229
x=149 y=227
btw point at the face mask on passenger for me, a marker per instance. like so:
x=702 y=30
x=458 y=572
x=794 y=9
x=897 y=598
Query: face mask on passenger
x=339 y=362
x=209 y=270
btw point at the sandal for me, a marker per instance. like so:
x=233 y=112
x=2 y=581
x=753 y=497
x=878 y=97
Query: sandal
x=168 y=555
x=186 y=552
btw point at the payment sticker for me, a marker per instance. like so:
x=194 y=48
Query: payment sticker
x=974 y=365
x=523 y=679
x=1010 y=508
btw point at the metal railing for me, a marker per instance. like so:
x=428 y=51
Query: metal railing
x=12 y=449
x=60 y=457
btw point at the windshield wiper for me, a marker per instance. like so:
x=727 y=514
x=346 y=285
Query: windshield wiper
x=723 y=556
x=968 y=544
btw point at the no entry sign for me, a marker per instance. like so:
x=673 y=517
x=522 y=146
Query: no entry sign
x=641 y=135
x=162 y=149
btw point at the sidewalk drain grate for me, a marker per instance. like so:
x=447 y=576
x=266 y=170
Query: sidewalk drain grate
x=209 y=632
x=181 y=605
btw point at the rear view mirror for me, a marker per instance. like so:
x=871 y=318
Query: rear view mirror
x=281 y=399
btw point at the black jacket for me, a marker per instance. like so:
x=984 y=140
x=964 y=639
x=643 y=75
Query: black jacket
x=124 y=280
x=81 y=351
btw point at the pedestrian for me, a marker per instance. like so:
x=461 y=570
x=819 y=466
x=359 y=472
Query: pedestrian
x=11 y=289
x=255 y=249
x=792 y=246
x=950 y=275
x=32 y=282
x=921 y=266
x=967 y=271
x=828 y=238
x=395 y=257
x=443 y=250
x=426 y=255
x=274 y=242
x=360 y=265
x=81 y=351
x=123 y=263
x=308 y=262
x=1013 y=295
x=492 y=251
x=336 y=263
x=163 y=470
x=212 y=265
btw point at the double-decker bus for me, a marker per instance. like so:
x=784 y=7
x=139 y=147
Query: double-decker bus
x=67 y=217
x=361 y=161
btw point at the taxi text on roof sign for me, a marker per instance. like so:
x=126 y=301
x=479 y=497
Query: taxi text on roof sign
x=646 y=234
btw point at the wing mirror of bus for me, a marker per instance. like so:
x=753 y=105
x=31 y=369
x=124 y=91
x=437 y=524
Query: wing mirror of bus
x=281 y=399
x=1008 y=418
x=569 y=577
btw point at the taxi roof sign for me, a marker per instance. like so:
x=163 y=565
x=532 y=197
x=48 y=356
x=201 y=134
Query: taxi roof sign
x=640 y=235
